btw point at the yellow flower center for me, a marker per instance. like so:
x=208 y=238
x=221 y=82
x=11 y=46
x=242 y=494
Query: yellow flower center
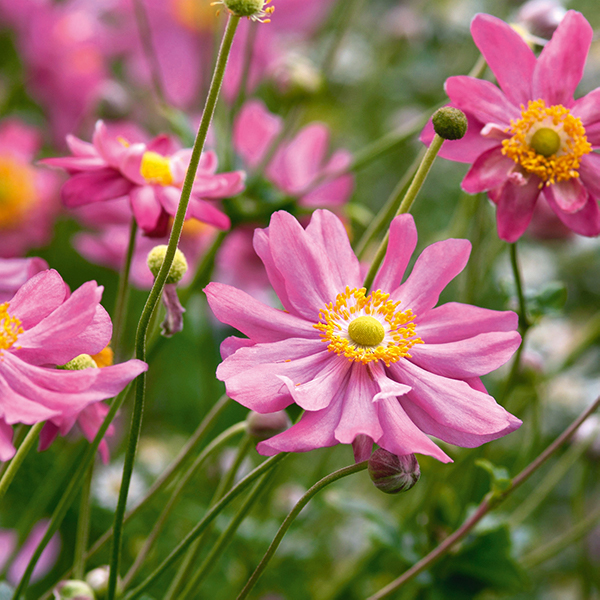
x=196 y=15
x=10 y=328
x=367 y=328
x=547 y=141
x=104 y=358
x=155 y=169
x=17 y=191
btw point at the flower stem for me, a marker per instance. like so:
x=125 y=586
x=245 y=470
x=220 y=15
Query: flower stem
x=19 y=457
x=315 y=489
x=524 y=323
x=204 y=523
x=83 y=526
x=407 y=202
x=123 y=291
x=156 y=292
x=488 y=503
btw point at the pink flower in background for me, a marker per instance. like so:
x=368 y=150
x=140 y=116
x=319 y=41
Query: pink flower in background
x=28 y=195
x=529 y=137
x=14 y=272
x=150 y=175
x=387 y=366
x=43 y=326
x=301 y=166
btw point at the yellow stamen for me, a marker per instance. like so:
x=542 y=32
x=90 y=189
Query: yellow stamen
x=17 y=191
x=547 y=141
x=10 y=328
x=104 y=358
x=155 y=169
x=367 y=328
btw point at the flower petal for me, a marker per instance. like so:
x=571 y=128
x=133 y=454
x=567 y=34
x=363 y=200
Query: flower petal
x=7 y=451
x=589 y=173
x=587 y=109
x=570 y=195
x=515 y=208
x=584 y=222
x=94 y=186
x=146 y=207
x=489 y=171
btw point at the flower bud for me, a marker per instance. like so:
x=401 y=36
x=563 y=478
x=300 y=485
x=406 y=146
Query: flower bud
x=392 y=474
x=541 y=17
x=262 y=427
x=83 y=361
x=97 y=579
x=254 y=9
x=156 y=257
x=73 y=590
x=450 y=123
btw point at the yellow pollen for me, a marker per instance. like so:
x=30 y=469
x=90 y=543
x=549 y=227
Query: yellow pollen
x=155 y=169
x=104 y=358
x=367 y=328
x=547 y=141
x=17 y=191
x=10 y=328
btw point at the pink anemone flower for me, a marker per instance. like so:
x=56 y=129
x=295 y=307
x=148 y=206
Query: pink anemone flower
x=14 y=272
x=150 y=175
x=44 y=326
x=529 y=136
x=384 y=366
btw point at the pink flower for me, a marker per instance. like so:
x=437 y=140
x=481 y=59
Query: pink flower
x=300 y=167
x=529 y=137
x=29 y=196
x=387 y=366
x=44 y=326
x=14 y=272
x=150 y=175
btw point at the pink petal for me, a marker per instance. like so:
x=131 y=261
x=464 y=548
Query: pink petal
x=14 y=272
x=74 y=164
x=253 y=318
x=515 y=208
x=471 y=357
x=131 y=163
x=163 y=144
x=508 y=56
x=388 y=388
x=584 y=222
x=94 y=186
x=489 y=171
x=560 y=65
x=232 y=344
x=80 y=148
x=207 y=212
x=146 y=206
x=16 y=408
x=362 y=447
x=222 y=185
x=90 y=420
x=108 y=146
x=48 y=434
x=570 y=196
x=335 y=192
x=7 y=451
x=588 y=109
x=482 y=99
x=589 y=173
x=401 y=245
x=8 y=544
x=437 y=266
x=453 y=321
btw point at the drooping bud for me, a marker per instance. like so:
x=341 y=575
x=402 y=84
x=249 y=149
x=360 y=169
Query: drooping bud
x=73 y=589
x=97 y=579
x=393 y=474
x=173 y=322
x=83 y=361
x=178 y=269
x=450 y=123
x=262 y=427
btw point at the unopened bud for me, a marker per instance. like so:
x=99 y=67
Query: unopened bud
x=97 y=579
x=73 y=590
x=450 y=123
x=178 y=269
x=83 y=361
x=541 y=17
x=392 y=474
x=248 y=8
x=262 y=427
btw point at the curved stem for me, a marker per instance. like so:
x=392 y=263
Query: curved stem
x=83 y=526
x=407 y=202
x=315 y=489
x=156 y=292
x=19 y=457
x=489 y=502
x=204 y=523
x=514 y=263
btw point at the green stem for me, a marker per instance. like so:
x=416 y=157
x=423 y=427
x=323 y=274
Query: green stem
x=83 y=526
x=217 y=443
x=156 y=292
x=123 y=291
x=315 y=489
x=491 y=501
x=19 y=457
x=204 y=523
x=407 y=202
x=514 y=263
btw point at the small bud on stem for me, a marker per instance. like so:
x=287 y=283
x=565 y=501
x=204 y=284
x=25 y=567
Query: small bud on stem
x=393 y=474
x=450 y=123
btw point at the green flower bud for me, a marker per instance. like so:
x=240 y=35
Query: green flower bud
x=97 y=579
x=83 y=361
x=254 y=9
x=262 y=427
x=450 y=123
x=392 y=474
x=73 y=590
x=156 y=257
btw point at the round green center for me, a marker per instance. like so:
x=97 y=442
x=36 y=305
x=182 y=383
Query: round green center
x=366 y=331
x=545 y=141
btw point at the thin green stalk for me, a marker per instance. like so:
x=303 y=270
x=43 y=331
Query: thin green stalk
x=67 y=498
x=204 y=523
x=407 y=202
x=491 y=501
x=83 y=526
x=315 y=489
x=123 y=291
x=156 y=292
x=217 y=443
x=19 y=457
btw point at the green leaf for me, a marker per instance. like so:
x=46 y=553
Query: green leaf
x=501 y=480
